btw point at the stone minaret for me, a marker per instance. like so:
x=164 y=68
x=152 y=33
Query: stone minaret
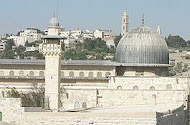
x=52 y=49
x=125 y=23
x=159 y=30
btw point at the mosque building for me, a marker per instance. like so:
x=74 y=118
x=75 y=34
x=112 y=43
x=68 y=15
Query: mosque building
x=138 y=76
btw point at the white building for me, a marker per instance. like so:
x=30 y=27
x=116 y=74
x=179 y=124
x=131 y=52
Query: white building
x=31 y=35
x=76 y=33
x=2 y=46
x=88 y=34
x=65 y=34
x=103 y=33
x=19 y=40
x=31 y=49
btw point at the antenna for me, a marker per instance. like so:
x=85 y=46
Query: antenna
x=143 y=20
x=57 y=9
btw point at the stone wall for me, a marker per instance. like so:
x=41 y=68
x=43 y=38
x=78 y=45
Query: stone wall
x=128 y=98
x=11 y=109
x=146 y=83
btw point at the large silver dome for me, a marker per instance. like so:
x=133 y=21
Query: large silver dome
x=142 y=45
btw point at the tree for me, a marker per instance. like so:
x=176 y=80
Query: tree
x=20 y=51
x=117 y=39
x=8 y=53
x=175 y=41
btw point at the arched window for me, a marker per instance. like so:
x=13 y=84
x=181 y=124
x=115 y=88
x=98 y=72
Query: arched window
x=108 y=74
x=1 y=73
x=84 y=105
x=168 y=87
x=71 y=74
x=81 y=74
x=99 y=75
x=21 y=74
x=41 y=74
x=119 y=87
x=152 y=88
x=62 y=74
x=90 y=75
x=77 y=105
x=11 y=74
x=31 y=74
x=135 y=88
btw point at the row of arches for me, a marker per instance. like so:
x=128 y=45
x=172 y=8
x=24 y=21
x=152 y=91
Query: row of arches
x=90 y=74
x=22 y=74
x=71 y=74
x=135 y=88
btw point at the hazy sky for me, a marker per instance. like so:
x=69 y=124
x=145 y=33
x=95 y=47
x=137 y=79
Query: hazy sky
x=172 y=15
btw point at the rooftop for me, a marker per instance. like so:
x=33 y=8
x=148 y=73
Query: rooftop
x=77 y=62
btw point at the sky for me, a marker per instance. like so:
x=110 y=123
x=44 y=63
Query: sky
x=172 y=15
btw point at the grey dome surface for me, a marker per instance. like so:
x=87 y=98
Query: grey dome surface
x=54 y=22
x=142 y=45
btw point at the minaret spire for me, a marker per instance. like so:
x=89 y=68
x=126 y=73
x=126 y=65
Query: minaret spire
x=143 y=20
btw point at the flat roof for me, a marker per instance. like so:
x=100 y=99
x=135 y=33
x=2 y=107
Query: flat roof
x=79 y=63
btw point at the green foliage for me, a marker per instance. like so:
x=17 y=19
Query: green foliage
x=112 y=49
x=178 y=67
x=20 y=51
x=75 y=55
x=117 y=39
x=172 y=73
x=175 y=41
x=36 y=54
x=187 y=56
x=172 y=63
x=96 y=45
x=13 y=93
x=96 y=48
x=35 y=98
x=8 y=53
x=184 y=70
x=27 y=44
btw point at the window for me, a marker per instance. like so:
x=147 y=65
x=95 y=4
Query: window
x=108 y=74
x=81 y=74
x=41 y=74
x=152 y=88
x=90 y=75
x=84 y=105
x=62 y=74
x=76 y=105
x=169 y=87
x=1 y=73
x=71 y=74
x=135 y=88
x=21 y=73
x=11 y=74
x=99 y=75
x=31 y=74
x=119 y=87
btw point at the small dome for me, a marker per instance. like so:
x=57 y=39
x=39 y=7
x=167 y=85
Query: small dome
x=53 y=22
x=142 y=45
